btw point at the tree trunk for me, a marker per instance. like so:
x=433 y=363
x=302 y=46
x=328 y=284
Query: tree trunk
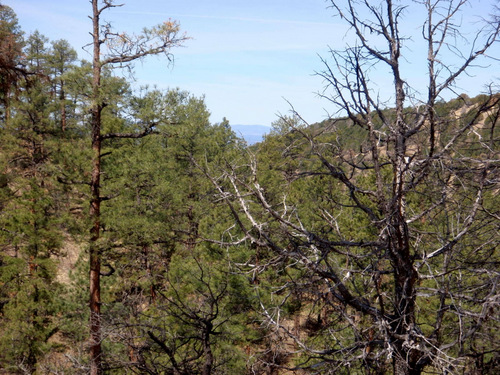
x=7 y=104
x=209 y=357
x=401 y=367
x=62 y=98
x=409 y=362
x=95 y=206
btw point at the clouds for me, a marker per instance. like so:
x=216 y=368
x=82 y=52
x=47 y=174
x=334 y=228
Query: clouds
x=245 y=58
x=54 y=19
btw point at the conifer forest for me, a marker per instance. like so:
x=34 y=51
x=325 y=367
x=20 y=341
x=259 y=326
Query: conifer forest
x=137 y=237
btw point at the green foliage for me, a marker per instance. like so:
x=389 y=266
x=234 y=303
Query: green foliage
x=156 y=221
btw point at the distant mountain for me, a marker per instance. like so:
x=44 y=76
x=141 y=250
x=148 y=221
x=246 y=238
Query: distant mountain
x=251 y=133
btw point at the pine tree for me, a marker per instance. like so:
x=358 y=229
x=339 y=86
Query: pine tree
x=31 y=232
x=123 y=49
x=61 y=60
x=11 y=69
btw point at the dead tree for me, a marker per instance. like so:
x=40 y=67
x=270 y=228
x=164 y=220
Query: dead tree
x=396 y=244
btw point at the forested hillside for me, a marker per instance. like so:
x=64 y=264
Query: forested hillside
x=136 y=237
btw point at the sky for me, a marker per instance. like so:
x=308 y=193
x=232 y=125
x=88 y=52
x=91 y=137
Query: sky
x=251 y=60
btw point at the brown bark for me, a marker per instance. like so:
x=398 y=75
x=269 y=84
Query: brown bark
x=7 y=104
x=62 y=98
x=95 y=205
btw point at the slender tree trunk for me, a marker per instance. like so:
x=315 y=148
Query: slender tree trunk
x=95 y=207
x=62 y=98
x=95 y=260
x=7 y=103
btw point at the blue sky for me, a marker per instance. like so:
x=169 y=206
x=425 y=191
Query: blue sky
x=248 y=58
